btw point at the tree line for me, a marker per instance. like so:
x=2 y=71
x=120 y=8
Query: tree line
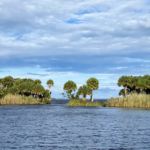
x=24 y=87
x=30 y=87
x=134 y=84
x=70 y=86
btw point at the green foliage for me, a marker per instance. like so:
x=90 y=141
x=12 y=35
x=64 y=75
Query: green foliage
x=26 y=87
x=93 y=83
x=37 y=81
x=136 y=84
x=123 y=93
x=123 y=81
x=18 y=82
x=7 y=81
x=67 y=95
x=47 y=95
x=47 y=101
x=1 y=80
x=38 y=89
x=84 y=90
x=1 y=92
x=13 y=90
x=69 y=87
x=50 y=83
x=81 y=102
x=134 y=100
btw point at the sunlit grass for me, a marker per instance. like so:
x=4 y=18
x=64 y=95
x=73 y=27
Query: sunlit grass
x=10 y=99
x=134 y=100
x=80 y=102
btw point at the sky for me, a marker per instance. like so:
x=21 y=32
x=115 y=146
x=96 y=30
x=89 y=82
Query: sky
x=75 y=40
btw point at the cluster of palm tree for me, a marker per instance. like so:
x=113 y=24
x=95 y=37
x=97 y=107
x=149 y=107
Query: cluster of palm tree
x=25 y=87
x=134 y=84
x=70 y=86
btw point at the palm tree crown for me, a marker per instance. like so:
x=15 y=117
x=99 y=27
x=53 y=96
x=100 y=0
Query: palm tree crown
x=84 y=90
x=93 y=83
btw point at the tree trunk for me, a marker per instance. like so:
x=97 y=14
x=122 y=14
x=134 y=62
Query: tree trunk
x=84 y=97
x=49 y=91
x=91 y=98
x=125 y=91
x=70 y=96
x=37 y=95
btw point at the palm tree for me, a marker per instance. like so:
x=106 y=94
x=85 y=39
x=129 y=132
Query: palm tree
x=142 y=84
x=70 y=86
x=22 y=88
x=49 y=84
x=7 y=81
x=30 y=80
x=123 y=93
x=93 y=83
x=37 y=81
x=38 y=89
x=123 y=81
x=47 y=95
x=13 y=90
x=84 y=90
x=28 y=87
x=18 y=81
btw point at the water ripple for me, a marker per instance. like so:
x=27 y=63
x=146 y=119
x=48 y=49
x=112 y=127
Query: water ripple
x=57 y=126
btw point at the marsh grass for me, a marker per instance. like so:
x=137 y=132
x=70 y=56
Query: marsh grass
x=10 y=99
x=80 y=102
x=134 y=100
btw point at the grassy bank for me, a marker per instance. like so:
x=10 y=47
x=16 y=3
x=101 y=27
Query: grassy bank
x=134 y=100
x=80 y=102
x=10 y=99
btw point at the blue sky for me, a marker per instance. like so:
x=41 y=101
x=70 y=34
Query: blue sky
x=74 y=40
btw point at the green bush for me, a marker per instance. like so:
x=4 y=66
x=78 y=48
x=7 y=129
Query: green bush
x=47 y=102
x=81 y=102
x=134 y=100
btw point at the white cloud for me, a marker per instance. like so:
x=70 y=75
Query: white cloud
x=99 y=36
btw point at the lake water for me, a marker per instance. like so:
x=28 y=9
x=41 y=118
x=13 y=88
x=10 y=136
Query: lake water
x=57 y=126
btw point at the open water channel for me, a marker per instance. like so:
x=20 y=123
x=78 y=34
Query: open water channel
x=57 y=126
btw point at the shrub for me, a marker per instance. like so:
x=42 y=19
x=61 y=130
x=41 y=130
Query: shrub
x=134 y=100
x=10 y=99
x=81 y=102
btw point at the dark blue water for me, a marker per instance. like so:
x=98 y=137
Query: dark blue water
x=57 y=126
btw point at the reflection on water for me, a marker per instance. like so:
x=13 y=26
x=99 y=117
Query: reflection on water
x=57 y=126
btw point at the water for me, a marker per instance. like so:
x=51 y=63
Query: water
x=56 y=126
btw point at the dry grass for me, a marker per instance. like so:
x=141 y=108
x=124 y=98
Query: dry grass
x=10 y=99
x=134 y=100
x=80 y=102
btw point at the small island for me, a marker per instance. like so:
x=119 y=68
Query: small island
x=24 y=91
x=135 y=93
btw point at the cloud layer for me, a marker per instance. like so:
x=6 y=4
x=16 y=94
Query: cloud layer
x=100 y=36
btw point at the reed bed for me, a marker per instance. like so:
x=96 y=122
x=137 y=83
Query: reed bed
x=134 y=100
x=10 y=99
x=80 y=102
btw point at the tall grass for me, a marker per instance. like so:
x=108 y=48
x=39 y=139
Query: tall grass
x=80 y=102
x=134 y=100
x=10 y=99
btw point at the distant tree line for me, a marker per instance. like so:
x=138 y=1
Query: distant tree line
x=70 y=86
x=24 y=87
x=134 y=84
